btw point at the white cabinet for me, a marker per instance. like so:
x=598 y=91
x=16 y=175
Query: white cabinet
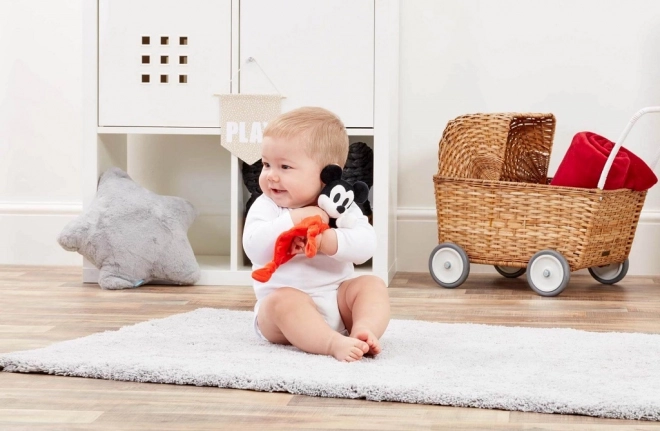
x=160 y=61
x=317 y=53
x=339 y=54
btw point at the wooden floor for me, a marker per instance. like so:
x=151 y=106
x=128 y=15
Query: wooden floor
x=43 y=305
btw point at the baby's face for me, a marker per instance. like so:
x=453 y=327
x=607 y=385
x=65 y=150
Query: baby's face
x=289 y=177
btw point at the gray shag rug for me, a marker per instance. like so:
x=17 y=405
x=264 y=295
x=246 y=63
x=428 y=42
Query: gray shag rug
x=613 y=375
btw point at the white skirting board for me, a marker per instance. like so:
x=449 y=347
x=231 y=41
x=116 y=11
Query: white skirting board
x=28 y=233
x=29 y=230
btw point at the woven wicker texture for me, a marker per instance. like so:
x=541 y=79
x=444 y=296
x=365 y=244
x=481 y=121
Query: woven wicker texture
x=504 y=222
x=510 y=147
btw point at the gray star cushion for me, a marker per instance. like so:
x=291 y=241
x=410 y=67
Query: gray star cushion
x=134 y=236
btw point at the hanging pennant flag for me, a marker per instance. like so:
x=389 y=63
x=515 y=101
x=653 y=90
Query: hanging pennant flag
x=243 y=118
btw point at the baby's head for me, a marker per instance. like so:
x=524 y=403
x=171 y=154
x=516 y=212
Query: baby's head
x=320 y=131
x=296 y=146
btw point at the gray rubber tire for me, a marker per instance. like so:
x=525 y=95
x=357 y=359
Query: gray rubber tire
x=509 y=271
x=449 y=265
x=610 y=274
x=548 y=273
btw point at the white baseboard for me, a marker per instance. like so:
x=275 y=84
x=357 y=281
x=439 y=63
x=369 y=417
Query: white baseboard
x=417 y=235
x=29 y=231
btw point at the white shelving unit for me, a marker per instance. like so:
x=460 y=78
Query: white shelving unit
x=152 y=67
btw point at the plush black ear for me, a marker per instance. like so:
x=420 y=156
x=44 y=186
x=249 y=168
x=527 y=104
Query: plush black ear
x=361 y=192
x=330 y=173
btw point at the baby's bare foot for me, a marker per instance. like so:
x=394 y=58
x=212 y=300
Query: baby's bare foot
x=368 y=337
x=347 y=349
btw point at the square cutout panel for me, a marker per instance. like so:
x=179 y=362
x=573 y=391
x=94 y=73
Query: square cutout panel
x=146 y=76
x=165 y=59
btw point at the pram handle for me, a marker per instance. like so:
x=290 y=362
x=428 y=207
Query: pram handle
x=619 y=143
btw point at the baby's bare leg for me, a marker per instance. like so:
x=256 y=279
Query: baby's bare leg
x=364 y=305
x=289 y=316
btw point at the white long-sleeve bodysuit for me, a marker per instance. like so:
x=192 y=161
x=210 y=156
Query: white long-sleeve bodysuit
x=315 y=276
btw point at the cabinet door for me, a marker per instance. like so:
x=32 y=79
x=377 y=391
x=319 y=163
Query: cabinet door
x=316 y=52
x=161 y=61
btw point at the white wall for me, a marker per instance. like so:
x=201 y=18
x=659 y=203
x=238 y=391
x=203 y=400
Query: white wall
x=591 y=63
x=40 y=128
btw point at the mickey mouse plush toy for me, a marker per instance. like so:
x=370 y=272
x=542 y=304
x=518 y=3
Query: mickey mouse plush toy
x=338 y=195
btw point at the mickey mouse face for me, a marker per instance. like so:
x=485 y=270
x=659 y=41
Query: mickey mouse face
x=337 y=195
x=336 y=201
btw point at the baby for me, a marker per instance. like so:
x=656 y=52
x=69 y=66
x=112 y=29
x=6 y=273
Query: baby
x=316 y=304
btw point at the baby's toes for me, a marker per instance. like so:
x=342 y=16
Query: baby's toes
x=370 y=339
x=355 y=354
x=362 y=335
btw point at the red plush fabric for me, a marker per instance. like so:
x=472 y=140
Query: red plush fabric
x=309 y=228
x=640 y=175
x=586 y=157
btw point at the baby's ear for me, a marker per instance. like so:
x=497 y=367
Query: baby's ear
x=330 y=173
x=361 y=191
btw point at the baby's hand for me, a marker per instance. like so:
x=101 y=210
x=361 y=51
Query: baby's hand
x=298 y=214
x=297 y=245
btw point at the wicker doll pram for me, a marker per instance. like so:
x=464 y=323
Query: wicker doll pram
x=495 y=206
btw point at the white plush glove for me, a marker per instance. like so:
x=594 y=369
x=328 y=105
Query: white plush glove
x=347 y=221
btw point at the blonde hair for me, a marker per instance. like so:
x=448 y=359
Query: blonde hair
x=322 y=132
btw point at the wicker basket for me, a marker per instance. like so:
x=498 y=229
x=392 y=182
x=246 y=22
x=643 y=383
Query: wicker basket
x=493 y=200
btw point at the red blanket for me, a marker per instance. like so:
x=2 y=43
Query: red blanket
x=586 y=157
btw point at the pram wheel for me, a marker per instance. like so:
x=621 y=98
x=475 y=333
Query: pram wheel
x=548 y=273
x=610 y=274
x=510 y=271
x=449 y=265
